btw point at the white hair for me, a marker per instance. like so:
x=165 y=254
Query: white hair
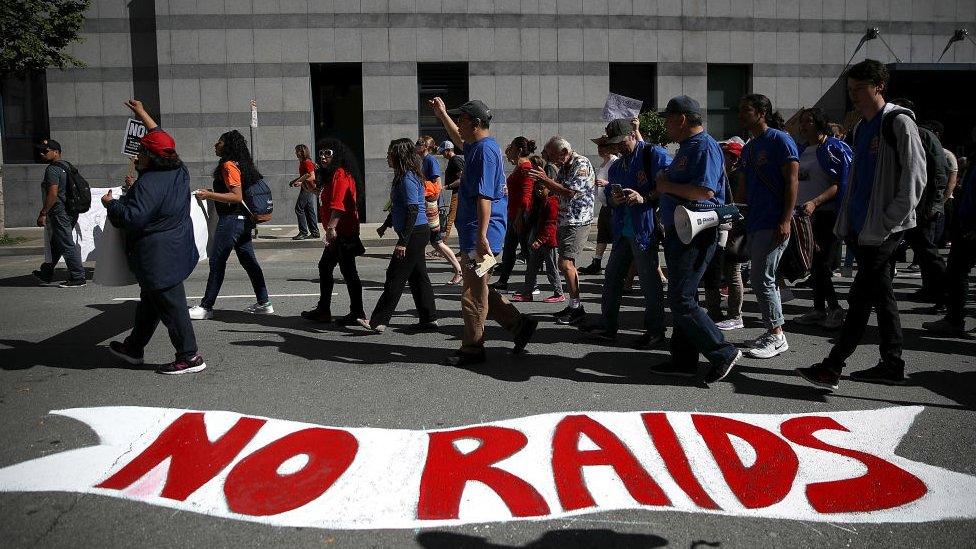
x=558 y=143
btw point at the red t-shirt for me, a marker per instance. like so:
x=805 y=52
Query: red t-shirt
x=304 y=167
x=340 y=194
x=519 y=185
x=546 y=223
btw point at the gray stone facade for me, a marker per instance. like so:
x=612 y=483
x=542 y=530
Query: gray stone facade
x=542 y=65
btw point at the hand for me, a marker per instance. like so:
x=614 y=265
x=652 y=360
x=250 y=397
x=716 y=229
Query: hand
x=538 y=175
x=330 y=235
x=635 y=124
x=782 y=233
x=399 y=251
x=129 y=180
x=602 y=182
x=482 y=249
x=632 y=197
x=107 y=197
x=536 y=245
x=203 y=194
x=135 y=106
x=294 y=183
x=437 y=105
x=807 y=208
x=381 y=230
x=41 y=219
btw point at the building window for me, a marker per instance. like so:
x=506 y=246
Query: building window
x=726 y=85
x=636 y=81
x=449 y=81
x=23 y=116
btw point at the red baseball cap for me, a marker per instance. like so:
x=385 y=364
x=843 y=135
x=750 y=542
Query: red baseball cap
x=732 y=147
x=159 y=143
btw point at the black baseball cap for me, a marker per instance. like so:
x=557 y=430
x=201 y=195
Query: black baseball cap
x=474 y=109
x=48 y=145
x=618 y=130
x=682 y=104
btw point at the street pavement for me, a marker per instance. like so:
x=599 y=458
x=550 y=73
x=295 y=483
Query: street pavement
x=53 y=356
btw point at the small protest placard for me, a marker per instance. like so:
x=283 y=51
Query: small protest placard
x=134 y=131
x=621 y=106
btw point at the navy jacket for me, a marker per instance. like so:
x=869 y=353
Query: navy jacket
x=155 y=215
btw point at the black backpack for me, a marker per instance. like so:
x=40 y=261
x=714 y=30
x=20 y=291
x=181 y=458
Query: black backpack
x=258 y=201
x=935 y=161
x=77 y=192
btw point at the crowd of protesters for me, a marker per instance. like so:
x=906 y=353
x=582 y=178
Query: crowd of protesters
x=882 y=185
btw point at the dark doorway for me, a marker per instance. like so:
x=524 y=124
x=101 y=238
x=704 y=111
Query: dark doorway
x=449 y=81
x=337 y=108
x=726 y=84
x=636 y=81
x=941 y=92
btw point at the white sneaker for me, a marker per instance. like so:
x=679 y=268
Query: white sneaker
x=769 y=346
x=811 y=318
x=199 y=313
x=730 y=324
x=536 y=291
x=260 y=309
x=834 y=319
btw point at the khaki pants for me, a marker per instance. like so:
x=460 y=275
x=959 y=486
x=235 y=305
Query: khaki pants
x=478 y=302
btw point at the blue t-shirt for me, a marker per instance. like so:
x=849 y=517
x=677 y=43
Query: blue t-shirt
x=762 y=162
x=699 y=162
x=409 y=191
x=630 y=172
x=483 y=177
x=432 y=169
x=867 y=140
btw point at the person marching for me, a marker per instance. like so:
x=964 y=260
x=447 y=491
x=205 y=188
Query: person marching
x=306 y=205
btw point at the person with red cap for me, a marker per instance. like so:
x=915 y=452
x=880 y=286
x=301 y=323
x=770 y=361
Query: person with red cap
x=155 y=216
x=725 y=266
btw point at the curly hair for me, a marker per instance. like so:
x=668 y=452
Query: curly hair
x=160 y=163
x=404 y=159
x=524 y=145
x=764 y=106
x=428 y=143
x=342 y=157
x=819 y=119
x=235 y=150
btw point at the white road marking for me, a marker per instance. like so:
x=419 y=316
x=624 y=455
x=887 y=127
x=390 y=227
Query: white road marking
x=228 y=296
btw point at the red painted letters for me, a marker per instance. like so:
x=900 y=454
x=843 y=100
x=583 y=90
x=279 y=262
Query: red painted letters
x=884 y=486
x=255 y=488
x=675 y=460
x=194 y=458
x=447 y=471
x=568 y=462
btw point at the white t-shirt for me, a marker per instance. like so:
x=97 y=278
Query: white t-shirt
x=813 y=180
x=603 y=172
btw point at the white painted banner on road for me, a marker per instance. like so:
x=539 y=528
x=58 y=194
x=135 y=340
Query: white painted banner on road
x=834 y=467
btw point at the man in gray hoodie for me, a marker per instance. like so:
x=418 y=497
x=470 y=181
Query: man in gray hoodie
x=886 y=184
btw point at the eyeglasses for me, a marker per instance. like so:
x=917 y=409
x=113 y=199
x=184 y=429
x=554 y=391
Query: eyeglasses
x=326 y=152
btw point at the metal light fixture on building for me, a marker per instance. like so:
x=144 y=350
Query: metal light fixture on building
x=871 y=34
x=958 y=36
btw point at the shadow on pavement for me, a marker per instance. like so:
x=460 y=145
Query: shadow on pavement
x=576 y=538
x=28 y=280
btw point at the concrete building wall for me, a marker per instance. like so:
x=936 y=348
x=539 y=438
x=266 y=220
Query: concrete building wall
x=542 y=65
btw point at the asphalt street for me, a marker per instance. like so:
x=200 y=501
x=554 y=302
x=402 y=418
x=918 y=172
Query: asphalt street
x=53 y=356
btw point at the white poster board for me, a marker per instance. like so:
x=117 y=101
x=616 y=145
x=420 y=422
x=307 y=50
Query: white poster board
x=621 y=106
x=134 y=131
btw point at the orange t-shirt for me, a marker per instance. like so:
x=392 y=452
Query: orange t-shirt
x=231 y=174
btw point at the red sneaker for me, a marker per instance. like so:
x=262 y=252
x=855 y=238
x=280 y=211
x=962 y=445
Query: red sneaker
x=555 y=298
x=518 y=296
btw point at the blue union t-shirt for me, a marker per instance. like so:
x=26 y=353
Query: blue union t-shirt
x=867 y=140
x=698 y=162
x=409 y=191
x=762 y=162
x=483 y=177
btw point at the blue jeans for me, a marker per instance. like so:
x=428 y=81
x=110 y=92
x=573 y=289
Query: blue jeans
x=306 y=208
x=624 y=252
x=233 y=233
x=765 y=256
x=694 y=332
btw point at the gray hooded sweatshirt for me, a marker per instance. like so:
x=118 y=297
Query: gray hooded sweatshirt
x=899 y=181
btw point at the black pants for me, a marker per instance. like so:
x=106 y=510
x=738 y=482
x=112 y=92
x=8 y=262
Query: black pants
x=168 y=305
x=411 y=268
x=872 y=288
x=822 y=269
x=926 y=255
x=962 y=257
x=341 y=254
x=513 y=240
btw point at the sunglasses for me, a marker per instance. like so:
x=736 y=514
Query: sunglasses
x=326 y=152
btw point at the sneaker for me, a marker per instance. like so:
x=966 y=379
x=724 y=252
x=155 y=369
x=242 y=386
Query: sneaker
x=317 y=315
x=914 y=268
x=500 y=287
x=126 y=353
x=593 y=268
x=574 y=317
x=718 y=373
x=563 y=312
x=882 y=373
x=555 y=298
x=524 y=333
x=834 y=319
x=73 y=283
x=42 y=276
x=183 y=366
x=460 y=359
x=300 y=236
x=673 y=370
x=769 y=346
x=648 y=341
x=943 y=326
x=731 y=324
x=315 y=236
x=521 y=298
x=260 y=309
x=199 y=313
x=811 y=318
x=379 y=328
x=429 y=326
x=820 y=375
x=598 y=331
x=348 y=320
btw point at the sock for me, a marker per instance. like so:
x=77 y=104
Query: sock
x=575 y=303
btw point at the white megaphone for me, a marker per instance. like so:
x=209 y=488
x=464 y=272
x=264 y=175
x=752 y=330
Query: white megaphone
x=688 y=223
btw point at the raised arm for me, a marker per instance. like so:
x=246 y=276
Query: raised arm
x=440 y=111
x=137 y=109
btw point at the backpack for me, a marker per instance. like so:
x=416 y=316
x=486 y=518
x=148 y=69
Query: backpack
x=935 y=162
x=77 y=192
x=258 y=201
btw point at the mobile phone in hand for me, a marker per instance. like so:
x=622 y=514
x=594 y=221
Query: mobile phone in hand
x=616 y=189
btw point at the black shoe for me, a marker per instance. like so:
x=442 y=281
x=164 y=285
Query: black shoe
x=598 y=331
x=460 y=359
x=499 y=286
x=317 y=315
x=314 y=236
x=73 y=283
x=126 y=353
x=349 y=320
x=563 y=312
x=575 y=316
x=718 y=373
x=593 y=268
x=41 y=276
x=673 y=370
x=429 y=326
x=300 y=236
x=648 y=340
x=820 y=375
x=882 y=373
x=524 y=333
